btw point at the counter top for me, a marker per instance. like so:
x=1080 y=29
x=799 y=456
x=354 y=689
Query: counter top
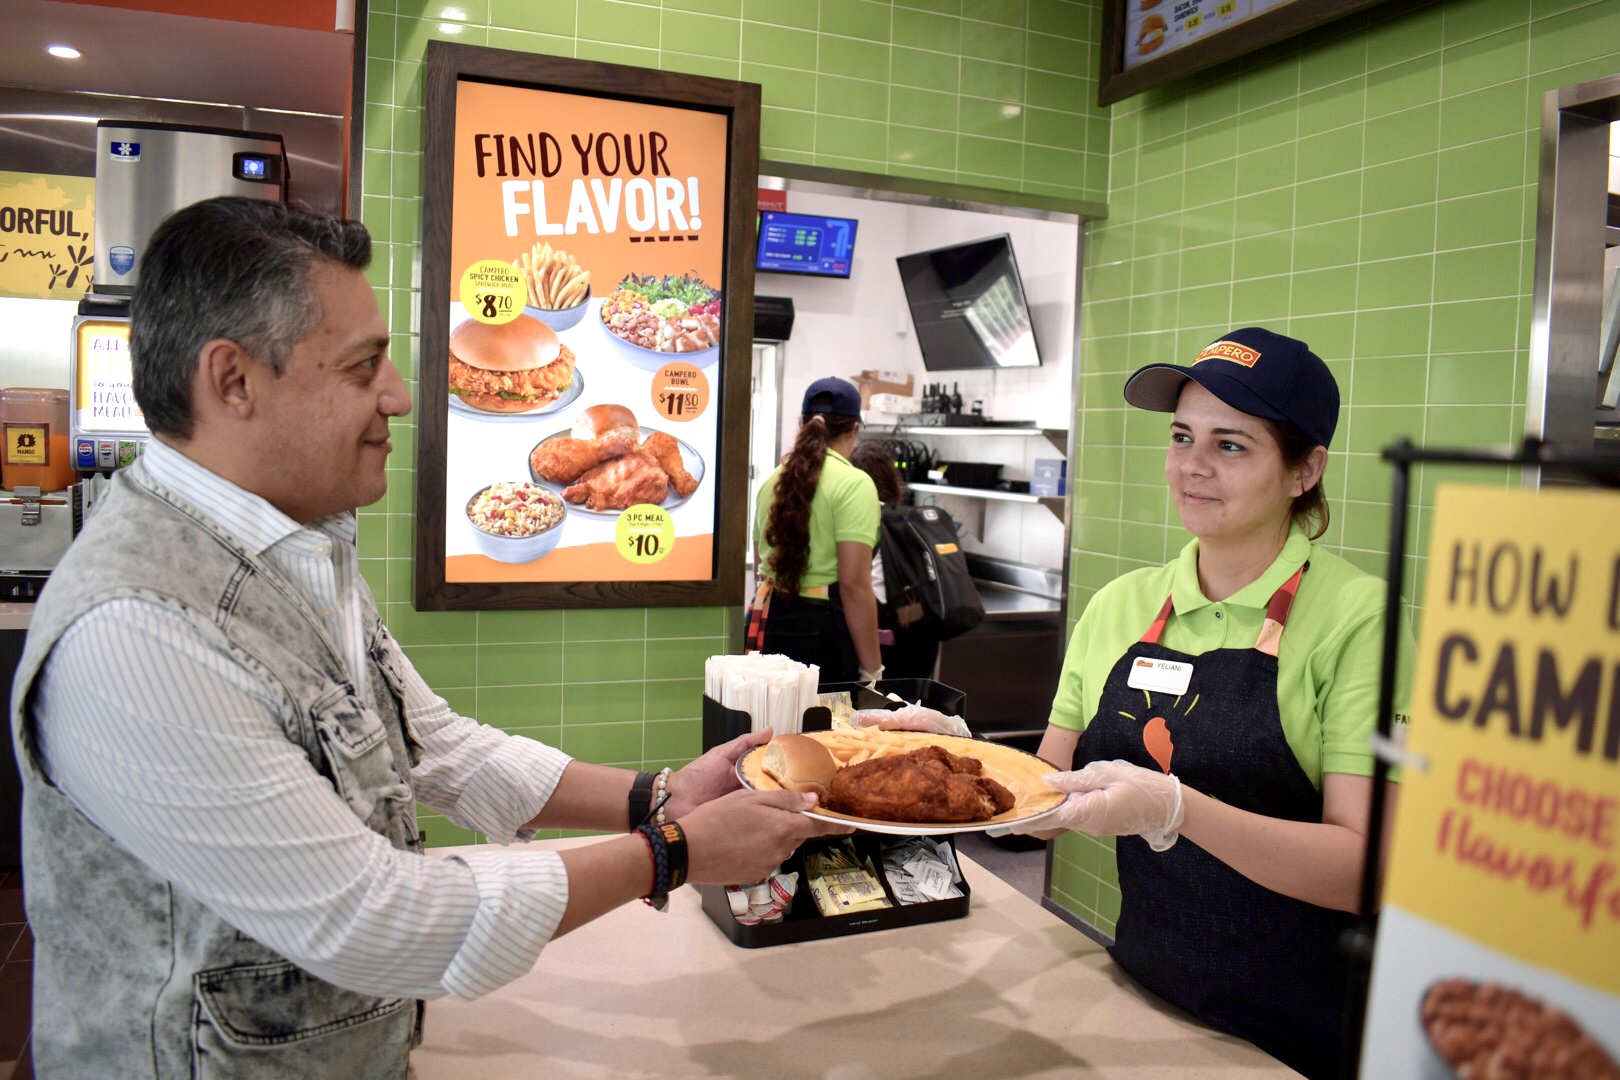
x=1009 y=991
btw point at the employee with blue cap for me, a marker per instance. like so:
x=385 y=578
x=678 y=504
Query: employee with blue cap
x=1227 y=698
x=816 y=524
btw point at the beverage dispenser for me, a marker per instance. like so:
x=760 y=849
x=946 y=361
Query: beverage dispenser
x=62 y=447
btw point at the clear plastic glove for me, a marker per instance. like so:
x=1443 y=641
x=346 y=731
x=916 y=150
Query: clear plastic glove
x=1116 y=798
x=913 y=718
x=869 y=679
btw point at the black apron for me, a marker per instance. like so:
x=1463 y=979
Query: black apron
x=810 y=629
x=1191 y=929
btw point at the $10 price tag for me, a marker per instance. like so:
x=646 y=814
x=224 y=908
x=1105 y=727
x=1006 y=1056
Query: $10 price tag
x=645 y=533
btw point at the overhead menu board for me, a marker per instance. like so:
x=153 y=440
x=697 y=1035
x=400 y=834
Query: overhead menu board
x=1501 y=921
x=1147 y=42
x=587 y=295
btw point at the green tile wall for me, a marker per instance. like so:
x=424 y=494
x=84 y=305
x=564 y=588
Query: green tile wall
x=1371 y=188
x=997 y=94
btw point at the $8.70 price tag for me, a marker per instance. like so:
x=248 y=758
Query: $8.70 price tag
x=492 y=291
x=645 y=533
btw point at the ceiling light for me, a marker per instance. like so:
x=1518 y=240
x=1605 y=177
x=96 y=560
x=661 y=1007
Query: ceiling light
x=65 y=52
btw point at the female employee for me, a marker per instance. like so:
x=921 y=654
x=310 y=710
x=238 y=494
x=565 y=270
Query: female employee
x=1228 y=697
x=815 y=526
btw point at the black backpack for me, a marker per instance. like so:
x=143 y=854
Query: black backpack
x=925 y=573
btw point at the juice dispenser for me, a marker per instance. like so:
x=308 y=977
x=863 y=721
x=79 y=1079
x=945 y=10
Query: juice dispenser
x=37 y=507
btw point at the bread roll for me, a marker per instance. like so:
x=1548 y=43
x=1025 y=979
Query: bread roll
x=799 y=763
x=600 y=420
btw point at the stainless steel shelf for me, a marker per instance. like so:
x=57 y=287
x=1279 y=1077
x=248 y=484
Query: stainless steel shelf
x=1054 y=503
x=1058 y=437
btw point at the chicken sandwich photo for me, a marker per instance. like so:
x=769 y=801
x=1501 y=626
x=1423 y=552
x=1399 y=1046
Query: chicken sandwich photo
x=509 y=367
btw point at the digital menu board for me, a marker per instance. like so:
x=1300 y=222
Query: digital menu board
x=579 y=379
x=805 y=244
x=1148 y=42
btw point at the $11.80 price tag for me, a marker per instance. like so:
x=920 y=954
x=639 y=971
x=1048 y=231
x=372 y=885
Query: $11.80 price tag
x=645 y=533
x=680 y=392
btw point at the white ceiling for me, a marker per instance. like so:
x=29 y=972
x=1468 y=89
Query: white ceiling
x=178 y=57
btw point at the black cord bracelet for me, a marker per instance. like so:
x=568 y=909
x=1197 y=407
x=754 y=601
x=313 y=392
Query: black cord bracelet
x=667 y=843
x=641 y=797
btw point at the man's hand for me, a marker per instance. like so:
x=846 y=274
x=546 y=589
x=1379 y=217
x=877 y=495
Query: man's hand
x=740 y=838
x=1116 y=798
x=912 y=718
x=710 y=776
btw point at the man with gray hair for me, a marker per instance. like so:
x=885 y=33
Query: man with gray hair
x=222 y=747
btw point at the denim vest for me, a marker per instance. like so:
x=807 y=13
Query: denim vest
x=132 y=976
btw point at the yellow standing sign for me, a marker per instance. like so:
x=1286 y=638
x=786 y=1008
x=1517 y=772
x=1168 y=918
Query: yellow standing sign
x=1501 y=923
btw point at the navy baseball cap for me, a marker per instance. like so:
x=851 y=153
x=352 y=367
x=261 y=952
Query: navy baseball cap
x=834 y=396
x=1255 y=371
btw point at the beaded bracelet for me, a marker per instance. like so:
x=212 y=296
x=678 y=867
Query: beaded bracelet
x=667 y=845
x=641 y=797
x=660 y=796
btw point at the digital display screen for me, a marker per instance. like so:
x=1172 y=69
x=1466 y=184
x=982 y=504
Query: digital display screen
x=968 y=306
x=805 y=244
x=256 y=168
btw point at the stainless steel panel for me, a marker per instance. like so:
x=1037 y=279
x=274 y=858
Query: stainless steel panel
x=175 y=167
x=1571 y=226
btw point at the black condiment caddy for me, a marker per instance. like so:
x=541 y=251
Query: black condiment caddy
x=803 y=921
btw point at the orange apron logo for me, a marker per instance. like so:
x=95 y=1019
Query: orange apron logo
x=1229 y=350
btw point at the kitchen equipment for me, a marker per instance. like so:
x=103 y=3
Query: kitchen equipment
x=35 y=424
x=146 y=171
x=35 y=530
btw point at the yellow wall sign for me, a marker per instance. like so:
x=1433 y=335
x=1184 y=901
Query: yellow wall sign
x=1504 y=876
x=45 y=245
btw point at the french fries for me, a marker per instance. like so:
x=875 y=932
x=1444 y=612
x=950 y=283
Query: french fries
x=851 y=746
x=554 y=278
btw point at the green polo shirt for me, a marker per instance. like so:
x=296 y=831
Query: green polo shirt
x=1327 y=667
x=845 y=507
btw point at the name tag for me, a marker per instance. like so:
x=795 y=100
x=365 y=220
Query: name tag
x=1159 y=676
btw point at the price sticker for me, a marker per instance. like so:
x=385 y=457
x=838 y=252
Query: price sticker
x=1195 y=21
x=1227 y=8
x=645 y=533
x=492 y=291
x=680 y=392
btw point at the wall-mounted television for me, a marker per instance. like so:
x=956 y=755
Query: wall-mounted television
x=805 y=244
x=967 y=304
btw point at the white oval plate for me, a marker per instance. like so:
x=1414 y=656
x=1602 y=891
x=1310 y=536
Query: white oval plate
x=575 y=388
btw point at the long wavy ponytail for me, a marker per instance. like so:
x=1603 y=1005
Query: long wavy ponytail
x=787 y=527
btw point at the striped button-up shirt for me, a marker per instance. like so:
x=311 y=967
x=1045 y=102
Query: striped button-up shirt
x=176 y=752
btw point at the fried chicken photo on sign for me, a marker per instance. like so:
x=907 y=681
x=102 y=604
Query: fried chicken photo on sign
x=621 y=483
x=564 y=460
x=663 y=446
x=928 y=785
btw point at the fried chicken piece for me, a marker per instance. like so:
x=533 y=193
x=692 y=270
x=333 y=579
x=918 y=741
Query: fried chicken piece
x=662 y=445
x=621 y=483
x=918 y=787
x=565 y=460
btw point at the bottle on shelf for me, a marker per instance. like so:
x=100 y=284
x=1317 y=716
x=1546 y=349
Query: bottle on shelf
x=956 y=398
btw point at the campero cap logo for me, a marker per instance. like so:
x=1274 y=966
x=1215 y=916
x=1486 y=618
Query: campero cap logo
x=1229 y=350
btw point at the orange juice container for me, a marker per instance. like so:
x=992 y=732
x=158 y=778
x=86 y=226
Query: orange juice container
x=35 y=453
